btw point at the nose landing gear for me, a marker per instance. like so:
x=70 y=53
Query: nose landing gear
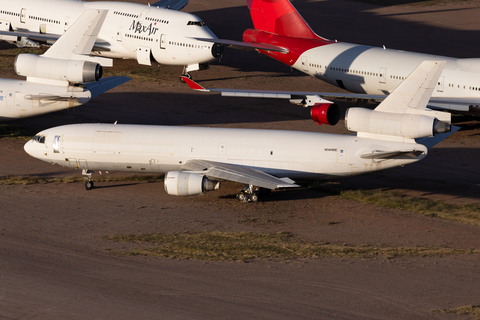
x=88 y=175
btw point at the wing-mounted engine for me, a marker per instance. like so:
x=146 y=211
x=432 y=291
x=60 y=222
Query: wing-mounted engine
x=73 y=71
x=407 y=125
x=188 y=184
x=325 y=113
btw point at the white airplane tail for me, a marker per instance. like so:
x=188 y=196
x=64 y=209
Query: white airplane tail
x=403 y=115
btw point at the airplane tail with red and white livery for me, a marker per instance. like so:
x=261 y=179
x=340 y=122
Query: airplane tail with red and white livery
x=368 y=73
x=279 y=17
x=279 y=24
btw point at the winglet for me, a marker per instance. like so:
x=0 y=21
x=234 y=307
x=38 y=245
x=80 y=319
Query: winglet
x=192 y=84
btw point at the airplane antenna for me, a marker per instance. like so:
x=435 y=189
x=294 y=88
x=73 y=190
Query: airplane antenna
x=115 y=122
x=384 y=47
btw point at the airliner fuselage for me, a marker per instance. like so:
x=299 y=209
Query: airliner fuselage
x=130 y=30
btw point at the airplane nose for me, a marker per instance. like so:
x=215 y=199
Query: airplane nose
x=28 y=147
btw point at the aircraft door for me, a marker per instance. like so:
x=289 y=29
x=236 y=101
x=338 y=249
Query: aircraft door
x=440 y=84
x=23 y=15
x=163 y=41
x=305 y=63
x=119 y=34
x=67 y=23
x=383 y=75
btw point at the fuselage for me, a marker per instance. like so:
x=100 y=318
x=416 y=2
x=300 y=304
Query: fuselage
x=130 y=30
x=160 y=149
x=375 y=71
x=20 y=99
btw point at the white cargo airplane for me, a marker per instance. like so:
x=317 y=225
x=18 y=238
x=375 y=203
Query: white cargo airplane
x=131 y=31
x=195 y=160
x=59 y=79
x=371 y=73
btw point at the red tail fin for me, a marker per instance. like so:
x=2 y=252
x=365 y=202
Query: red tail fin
x=280 y=17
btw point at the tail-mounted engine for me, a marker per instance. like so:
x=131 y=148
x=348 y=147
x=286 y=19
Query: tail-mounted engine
x=325 y=113
x=73 y=71
x=188 y=184
x=407 y=125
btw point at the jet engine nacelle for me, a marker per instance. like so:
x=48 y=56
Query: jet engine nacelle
x=325 y=113
x=73 y=71
x=394 y=124
x=187 y=184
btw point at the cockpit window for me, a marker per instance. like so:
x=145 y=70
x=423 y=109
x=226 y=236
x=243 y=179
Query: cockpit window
x=56 y=144
x=39 y=138
x=196 y=23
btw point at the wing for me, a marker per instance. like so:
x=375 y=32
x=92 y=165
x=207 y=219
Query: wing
x=245 y=45
x=171 y=4
x=308 y=99
x=222 y=171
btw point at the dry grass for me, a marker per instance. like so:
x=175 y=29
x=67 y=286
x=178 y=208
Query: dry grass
x=472 y=311
x=21 y=180
x=241 y=246
x=469 y=214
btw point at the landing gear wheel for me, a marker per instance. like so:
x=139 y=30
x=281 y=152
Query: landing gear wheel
x=242 y=196
x=89 y=185
x=254 y=197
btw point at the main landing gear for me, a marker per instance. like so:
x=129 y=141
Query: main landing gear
x=88 y=175
x=251 y=194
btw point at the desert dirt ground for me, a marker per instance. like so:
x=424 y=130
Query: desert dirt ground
x=54 y=263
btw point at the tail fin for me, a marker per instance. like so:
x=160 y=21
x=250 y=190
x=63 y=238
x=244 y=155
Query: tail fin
x=279 y=17
x=77 y=42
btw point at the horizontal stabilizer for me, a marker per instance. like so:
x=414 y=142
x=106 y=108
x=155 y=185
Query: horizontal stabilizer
x=245 y=45
x=222 y=171
x=171 y=4
x=433 y=141
x=105 y=84
x=48 y=97
x=386 y=155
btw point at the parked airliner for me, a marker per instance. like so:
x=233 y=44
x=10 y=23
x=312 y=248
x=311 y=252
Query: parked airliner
x=59 y=79
x=156 y=32
x=196 y=160
x=369 y=72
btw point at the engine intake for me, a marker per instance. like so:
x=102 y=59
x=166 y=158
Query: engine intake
x=178 y=183
x=394 y=124
x=73 y=71
x=325 y=113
